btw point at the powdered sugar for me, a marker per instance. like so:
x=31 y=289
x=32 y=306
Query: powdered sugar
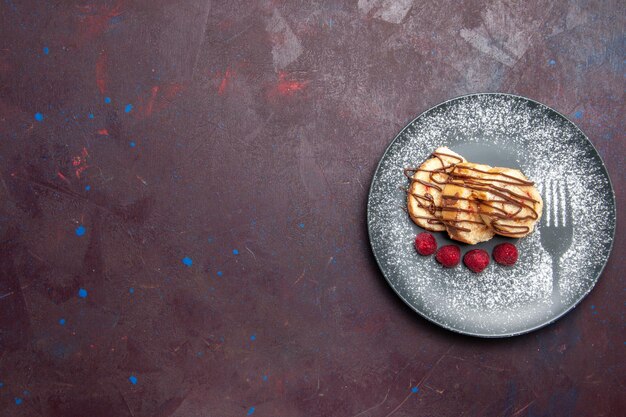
x=499 y=130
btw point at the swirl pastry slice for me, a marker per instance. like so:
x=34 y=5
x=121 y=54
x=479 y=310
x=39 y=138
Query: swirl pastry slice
x=461 y=211
x=427 y=183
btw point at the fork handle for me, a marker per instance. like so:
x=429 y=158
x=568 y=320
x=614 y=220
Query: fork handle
x=556 y=287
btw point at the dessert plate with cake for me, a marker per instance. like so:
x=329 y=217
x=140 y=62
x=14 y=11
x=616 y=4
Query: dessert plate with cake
x=491 y=215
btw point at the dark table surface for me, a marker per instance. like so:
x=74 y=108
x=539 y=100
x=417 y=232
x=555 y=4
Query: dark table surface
x=183 y=191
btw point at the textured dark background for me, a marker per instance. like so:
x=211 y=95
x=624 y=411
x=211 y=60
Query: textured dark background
x=243 y=135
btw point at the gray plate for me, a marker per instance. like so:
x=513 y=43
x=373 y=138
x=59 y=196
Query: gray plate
x=559 y=263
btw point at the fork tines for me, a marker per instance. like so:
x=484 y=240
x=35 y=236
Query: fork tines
x=555 y=200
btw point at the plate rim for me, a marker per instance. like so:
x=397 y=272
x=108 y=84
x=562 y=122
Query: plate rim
x=507 y=334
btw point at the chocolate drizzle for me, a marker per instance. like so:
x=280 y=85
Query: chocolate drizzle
x=493 y=183
x=426 y=200
x=506 y=197
x=454 y=223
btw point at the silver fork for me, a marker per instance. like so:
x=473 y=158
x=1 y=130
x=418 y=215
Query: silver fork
x=556 y=227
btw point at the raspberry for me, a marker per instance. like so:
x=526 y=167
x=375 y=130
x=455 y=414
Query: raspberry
x=505 y=254
x=476 y=260
x=449 y=256
x=425 y=244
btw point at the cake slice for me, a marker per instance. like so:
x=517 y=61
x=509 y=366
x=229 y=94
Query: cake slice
x=509 y=203
x=427 y=183
x=460 y=211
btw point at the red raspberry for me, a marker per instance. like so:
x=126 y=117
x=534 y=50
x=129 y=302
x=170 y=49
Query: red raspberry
x=505 y=254
x=425 y=244
x=476 y=260
x=449 y=256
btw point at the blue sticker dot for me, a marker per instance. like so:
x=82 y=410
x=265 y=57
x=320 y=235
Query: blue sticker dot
x=198 y=354
x=414 y=390
x=91 y=116
x=552 y=62
x=18 y=400
x=220 y=273
x=592 y=306
x=301 y=225
x=87 y=187
x=578 y=114
x=39 y=117
x=132 y=144
x=253 y=337
x=62 y=322
x=250 y=411
x=1 y=384
x=133 y=379
x=187 y=261
x=80 y=230
x=128 y=108
x=264 y=377
x=107 y=100
x=131 y=290
x=46 y=50
x=235 y=252
x=82 y=293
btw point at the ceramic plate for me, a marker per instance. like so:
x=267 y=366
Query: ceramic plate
x=559 y=262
